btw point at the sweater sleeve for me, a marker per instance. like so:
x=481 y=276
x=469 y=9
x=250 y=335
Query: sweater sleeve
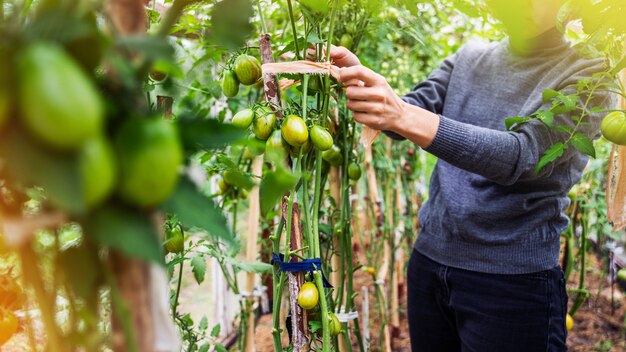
x=430 y=93
x=506 y=157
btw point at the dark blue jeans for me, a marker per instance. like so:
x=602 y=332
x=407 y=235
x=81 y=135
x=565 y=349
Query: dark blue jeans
x=452 y=309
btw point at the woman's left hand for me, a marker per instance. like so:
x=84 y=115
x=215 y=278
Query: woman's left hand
x=373 y=101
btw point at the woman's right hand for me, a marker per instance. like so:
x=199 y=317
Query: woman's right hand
x=339 y=56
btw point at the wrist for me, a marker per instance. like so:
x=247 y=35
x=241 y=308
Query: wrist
x=416 y=124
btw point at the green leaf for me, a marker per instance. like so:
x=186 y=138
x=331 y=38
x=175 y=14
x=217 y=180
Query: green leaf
x=198 y=267
x=562 y=128
x=251 y=267
x=511 y=121
x=564 y=104
x=583 y=144
x=205 y=347
x=548 y=94
x=220 y=348
x=200 y=133
x=81 y=268
x=196 y=210
x=32 y=164
x=546 y=117
x=274 y=185
x=127 y=230
x=151 y=47
x=203 y=324
x=215 y=332
x=238 y=179
x=554 y=152
x=230 y=23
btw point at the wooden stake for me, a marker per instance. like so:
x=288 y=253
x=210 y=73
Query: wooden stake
x=254 y=212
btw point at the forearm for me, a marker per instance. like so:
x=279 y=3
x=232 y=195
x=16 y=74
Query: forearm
x=501 y=156
x=417 y=125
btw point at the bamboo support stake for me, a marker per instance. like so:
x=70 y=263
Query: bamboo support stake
x=396 y=282
x=334 y=181
x=254 y=212
x=380 y=220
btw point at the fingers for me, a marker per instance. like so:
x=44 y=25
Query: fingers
x=365 y=93
x=362 y=73
x=367 y=107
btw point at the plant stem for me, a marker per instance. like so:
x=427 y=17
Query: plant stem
x=263 y=24
x=324 y=311
x=295 y=34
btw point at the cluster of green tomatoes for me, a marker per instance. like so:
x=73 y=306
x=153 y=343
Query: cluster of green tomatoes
x=60 y=107
x=246 y=70
x=308 y=298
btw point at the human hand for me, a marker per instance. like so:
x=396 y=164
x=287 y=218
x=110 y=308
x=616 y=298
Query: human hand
x=373 y=101
x=340 y=56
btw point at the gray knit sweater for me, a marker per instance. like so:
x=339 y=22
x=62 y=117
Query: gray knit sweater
x=487 y=209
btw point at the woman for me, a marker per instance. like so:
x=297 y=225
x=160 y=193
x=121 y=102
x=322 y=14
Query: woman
x=484 y=272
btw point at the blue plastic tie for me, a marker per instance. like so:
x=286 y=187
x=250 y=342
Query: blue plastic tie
x=314 y=264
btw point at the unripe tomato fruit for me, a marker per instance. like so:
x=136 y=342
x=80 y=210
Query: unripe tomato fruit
x=569 y=322
x=335 y=324
x=346 y=41
x=8 y=326
x=321 y=138
x=315 y=85
x=354 y=171
x=294 y=130
x=247 y=69
x=98 y=171
x=621 y=274
x=230 y=83
x=222 y=185
x=175 y=241
x=308 y=296
x=229 y=177
x=276 y=145
x=333 y=155
x=614 y=127
x=263 y=123
x=59 y=103
x=243 y=118
x=149 y=154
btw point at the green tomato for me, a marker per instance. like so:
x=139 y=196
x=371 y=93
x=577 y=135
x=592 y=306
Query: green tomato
x=60 y=105
x=321 y=138
x=243 y=118
x=354 y=171
x=335 y=324
x=174 y=240
x=150 y=155
x=230 y=84
x=621 y=275
x=333 y=155
x=263 y=123
x=346 y=41
x=294 y=130
x=308 y=296
x=614 y=127
x=98 y=171
x=247 y=69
